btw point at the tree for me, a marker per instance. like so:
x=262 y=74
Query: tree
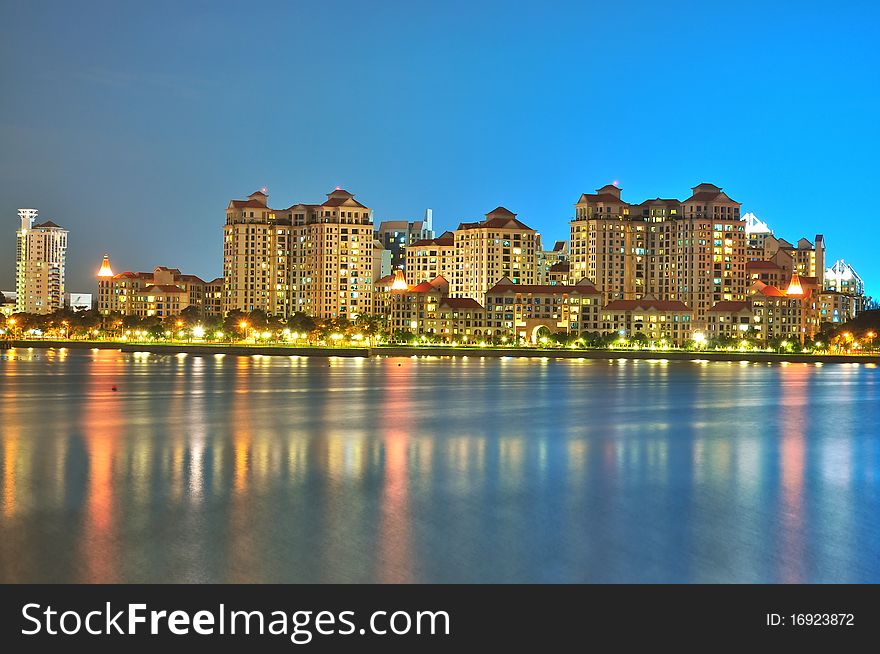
x=301 y=323
x=191 y=315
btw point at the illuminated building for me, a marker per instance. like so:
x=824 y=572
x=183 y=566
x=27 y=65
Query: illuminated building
x=430 y=258
x=557 y=274
x=807 y=258
x=521 y=310
x=490 y=250
x=790 y=313
x=162 y=293
x=41 y=251
x=426 y=309
x=547 y=259
x=836 y=307
x=729 y=318
x=382 y=290
x=757 y=231
x=670 y=320
x=312 y=258
x=843 y=277
x=690 y=251
x=397 y=235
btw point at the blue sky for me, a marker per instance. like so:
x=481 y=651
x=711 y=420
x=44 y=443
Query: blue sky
x=133 y=124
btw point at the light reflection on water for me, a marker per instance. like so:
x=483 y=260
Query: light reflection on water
x=405 y=470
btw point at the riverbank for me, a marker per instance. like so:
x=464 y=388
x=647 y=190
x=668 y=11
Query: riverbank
x=205 y=349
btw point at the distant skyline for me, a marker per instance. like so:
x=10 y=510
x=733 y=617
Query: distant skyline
x=132 y=125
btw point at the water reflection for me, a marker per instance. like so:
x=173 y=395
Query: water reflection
x=406 y=470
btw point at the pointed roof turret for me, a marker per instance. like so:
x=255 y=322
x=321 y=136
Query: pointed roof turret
x=105 y=271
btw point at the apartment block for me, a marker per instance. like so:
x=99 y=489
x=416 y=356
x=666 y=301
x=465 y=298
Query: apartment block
x=521 y=310
x=670 y=320
x=490 y=250
x=691 y=251
x=162 y=293
x=430 y=258
x=312 y=258
x=41 y=253
x=397 y=235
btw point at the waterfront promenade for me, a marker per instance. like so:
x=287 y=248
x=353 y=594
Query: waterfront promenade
x=238 y=349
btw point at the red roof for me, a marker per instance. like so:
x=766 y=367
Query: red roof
x=165 y=288
x=560 y=266
x=337 y=202
x=658 y=305
x=439 y=241
x=762 y=265
x=601 y=197
x=771 y=291
x=424 y=287
x=497 y=220
x=242 y=204
x=731 y=306
x=544 y=289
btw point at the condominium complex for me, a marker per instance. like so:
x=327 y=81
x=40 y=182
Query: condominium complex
x=162 y=293
x=41 y=251
x=662 y=267
x=692 y=251
x=312 y=258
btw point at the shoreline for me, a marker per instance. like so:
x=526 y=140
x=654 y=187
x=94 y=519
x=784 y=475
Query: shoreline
x=438 y=351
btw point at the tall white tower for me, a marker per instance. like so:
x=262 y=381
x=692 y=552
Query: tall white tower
x=41 y=252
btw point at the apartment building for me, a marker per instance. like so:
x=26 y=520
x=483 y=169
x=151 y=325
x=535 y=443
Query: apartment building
x=691 y=251
x=490 y=250
x=669 y=320
x=547 y=259
x=397 y=235
x=312 y=258
x=41 y=253
x=521 y=310
x=430 y=258
x=162 y=293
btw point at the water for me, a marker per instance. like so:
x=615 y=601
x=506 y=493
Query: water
x=283 y=469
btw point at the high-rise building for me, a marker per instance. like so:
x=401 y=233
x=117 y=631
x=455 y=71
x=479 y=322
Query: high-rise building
x=602 y=245
x=490 y=250
x=397 y=235
x=843 y=277
x=807 y=258
x=312 y=258
x=430 y=258
x=41 y=251
x=691 y=251
x=757 y=231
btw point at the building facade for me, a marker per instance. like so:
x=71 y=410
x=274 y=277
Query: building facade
x=691 y=251
x=430 y=258
x=162 y=293
x=490 y=250
x=311 y=258
x=397 y=235
x=41 y=253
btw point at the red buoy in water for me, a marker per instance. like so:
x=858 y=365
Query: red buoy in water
x=114 y=388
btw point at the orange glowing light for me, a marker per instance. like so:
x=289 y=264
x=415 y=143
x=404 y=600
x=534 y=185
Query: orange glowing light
x=399 y=282
x=105 y=270
x=794 y=287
